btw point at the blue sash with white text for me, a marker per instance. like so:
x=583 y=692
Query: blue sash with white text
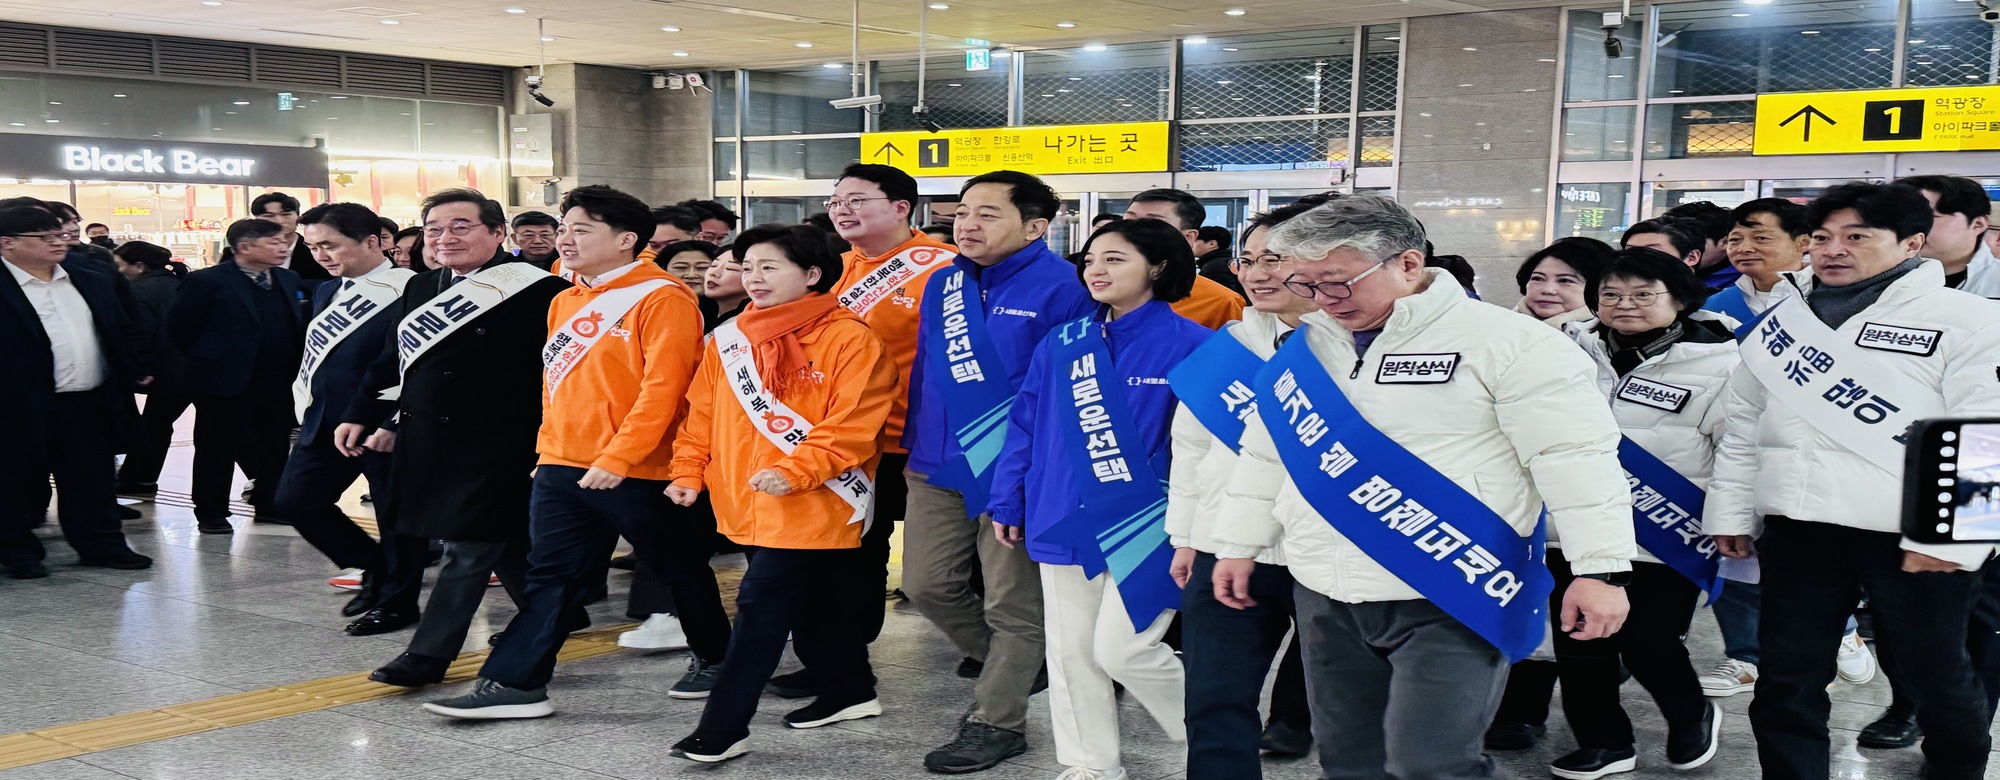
x=1666 y=517
x=1730 y=301
x=1214 y=382
x=1121 y=523
x=1414 y=521
x=976 y=387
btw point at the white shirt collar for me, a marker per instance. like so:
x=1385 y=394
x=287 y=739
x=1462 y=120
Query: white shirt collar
x=608 y=276
x=22 y=277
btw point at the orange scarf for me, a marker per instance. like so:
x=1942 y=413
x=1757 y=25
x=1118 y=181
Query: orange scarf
x=774 y=337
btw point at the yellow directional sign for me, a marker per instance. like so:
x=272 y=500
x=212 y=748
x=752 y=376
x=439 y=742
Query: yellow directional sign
x=1133 y=147
x=1940 y=119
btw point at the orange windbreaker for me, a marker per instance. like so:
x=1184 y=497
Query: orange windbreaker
x=719 y=449
x=895 y=320
x=1211 y=304
x=619 y=407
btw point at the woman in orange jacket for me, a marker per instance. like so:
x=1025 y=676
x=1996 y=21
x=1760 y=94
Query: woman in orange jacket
x=783 y=422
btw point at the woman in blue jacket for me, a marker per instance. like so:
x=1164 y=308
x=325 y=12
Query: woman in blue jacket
x=1081 y=480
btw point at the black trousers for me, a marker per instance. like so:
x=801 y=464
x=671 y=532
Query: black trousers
x=1982 y=642
x=810 y=595
x=309 y=496
x=1650 y=647
x=156 y=436
x=569 y=529
x=1227 y=653
x=1530 y=685
x=652 y=592
x=80 y=456
x=253 y=427
x=1814 y=573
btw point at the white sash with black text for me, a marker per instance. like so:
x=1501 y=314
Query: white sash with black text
x=1837 y=386
x=567 y=346
x=350 y=309
x=893 y=274
x=459 y=304
x=780 y=425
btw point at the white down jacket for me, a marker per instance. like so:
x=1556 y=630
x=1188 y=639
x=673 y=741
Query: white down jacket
x=1202 y=462
x=1670 y=404
x=1517 y=422
x=1772 y=462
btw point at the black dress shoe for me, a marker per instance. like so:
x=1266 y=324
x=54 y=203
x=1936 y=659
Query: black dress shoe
x=382 y=621
x=596 y=595
x=138 y=489
x=214 y=525
x=1688 y=748
x=364 y=599
x=970 y=668
x=797 y=685
x=1283 y=740
x=124 y=512
x=1593 y=763
x=1510 y=735
x=123 y=559
x=32 y=570
x=1897 y=728
x=268 y=517
x=410 y=670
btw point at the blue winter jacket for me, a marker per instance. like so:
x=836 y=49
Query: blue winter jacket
x=1032 y=483
x=1026 y=296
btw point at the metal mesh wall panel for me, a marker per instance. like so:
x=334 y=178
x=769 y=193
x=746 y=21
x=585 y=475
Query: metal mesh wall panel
x=1266 y=146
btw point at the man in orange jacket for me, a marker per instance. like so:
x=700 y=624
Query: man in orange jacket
x=1211 y=304
x=623 y=346
x=883 y=282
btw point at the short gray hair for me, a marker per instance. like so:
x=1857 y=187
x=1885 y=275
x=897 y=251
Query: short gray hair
x=1374 y=224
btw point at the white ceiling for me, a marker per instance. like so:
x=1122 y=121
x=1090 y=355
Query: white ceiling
x=746 y=33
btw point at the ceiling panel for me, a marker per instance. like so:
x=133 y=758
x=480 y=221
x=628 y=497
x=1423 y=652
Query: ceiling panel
x=746 y=33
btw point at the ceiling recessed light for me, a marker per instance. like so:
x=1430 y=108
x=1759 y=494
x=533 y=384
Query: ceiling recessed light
x=1808 y=32
x=1465 y=85
x=1616 y=76
x=1739 y=16
x=1230 y=48
x=1197 y=40
x=939 y=7
x=670 y=28
x=1873 y=49
x=1045 y=94
x=833 y=65
x=1225 y=83
x=211 y=3
x=1913 y=41
x=339 y=97
x=1546 y=59
x=1233 y=12
x=1470 y=48
x=1065 y=25
x=680 y=54
x=954 y=84
x=17 y=124
x=390 y=21
x=1094 y=47
x=240 y=102
x=803 y=44
x=1756 y=2
x=1392 y=38
x=230 y=113
x=517 y=10
x=1076 y=78
x=118 y=94
x=1065 y=90
x=548 y=38
x=53 y=121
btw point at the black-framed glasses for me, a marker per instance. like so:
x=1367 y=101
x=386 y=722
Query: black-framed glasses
x=1639 y=299
x=847 y=203
x=53 y=238
x=1338 y=291
x=1266 y=260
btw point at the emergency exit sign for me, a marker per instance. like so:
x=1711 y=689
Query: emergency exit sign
x=978 y=59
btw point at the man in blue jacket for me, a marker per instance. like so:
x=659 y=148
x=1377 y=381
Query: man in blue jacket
x=981 y=321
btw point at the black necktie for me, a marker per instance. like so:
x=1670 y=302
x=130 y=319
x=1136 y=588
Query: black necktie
x=347 y=285
x=263 y=280
x=1282 y=337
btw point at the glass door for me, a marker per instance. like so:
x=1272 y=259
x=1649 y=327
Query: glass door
x=1799 y=190
x=1664 y=195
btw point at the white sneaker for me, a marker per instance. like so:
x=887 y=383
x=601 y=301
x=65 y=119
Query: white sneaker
x=1856 y=663
x=349 y=579
x=1731 y=678
x=1086 y=773
x=660 y=632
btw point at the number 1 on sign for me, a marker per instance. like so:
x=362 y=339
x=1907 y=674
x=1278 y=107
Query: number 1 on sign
x=932 y=150
x=1895 y=115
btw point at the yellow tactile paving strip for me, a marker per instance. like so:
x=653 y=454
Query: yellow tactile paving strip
x=180 y=720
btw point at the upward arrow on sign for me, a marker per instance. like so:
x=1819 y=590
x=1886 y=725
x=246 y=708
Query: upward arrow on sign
x=887 y=153
x=1808 y=113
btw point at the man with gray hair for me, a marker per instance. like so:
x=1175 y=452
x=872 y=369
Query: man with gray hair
x=1402 y=452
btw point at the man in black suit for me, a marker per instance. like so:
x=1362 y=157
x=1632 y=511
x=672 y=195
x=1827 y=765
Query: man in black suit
x=69 y=387
x=466 y=362
x=283 y=210
x=241 y=325
x=352 y=316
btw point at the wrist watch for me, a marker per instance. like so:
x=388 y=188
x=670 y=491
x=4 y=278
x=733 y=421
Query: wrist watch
x=1617 y=579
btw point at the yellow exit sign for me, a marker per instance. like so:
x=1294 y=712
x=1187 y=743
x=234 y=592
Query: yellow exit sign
x=1937 y=119
x=1132 y=147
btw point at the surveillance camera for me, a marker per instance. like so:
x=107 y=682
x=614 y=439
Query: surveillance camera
x=1613 y=48
x=535 y=91
x=534 y=82
x=924 y=120
x=863 y=101
x=1989 y=16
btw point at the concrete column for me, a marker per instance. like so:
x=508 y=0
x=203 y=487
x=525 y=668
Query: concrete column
x=1478 y=109
x=618 y=130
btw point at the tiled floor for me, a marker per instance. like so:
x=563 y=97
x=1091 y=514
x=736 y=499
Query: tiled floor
x=221 y=615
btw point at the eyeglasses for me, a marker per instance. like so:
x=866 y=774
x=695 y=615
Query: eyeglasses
x=459 y=229
x=1338 y=291
x=1639 y=299
x=849 y=204
x=53 y=238
x=1266 y=260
